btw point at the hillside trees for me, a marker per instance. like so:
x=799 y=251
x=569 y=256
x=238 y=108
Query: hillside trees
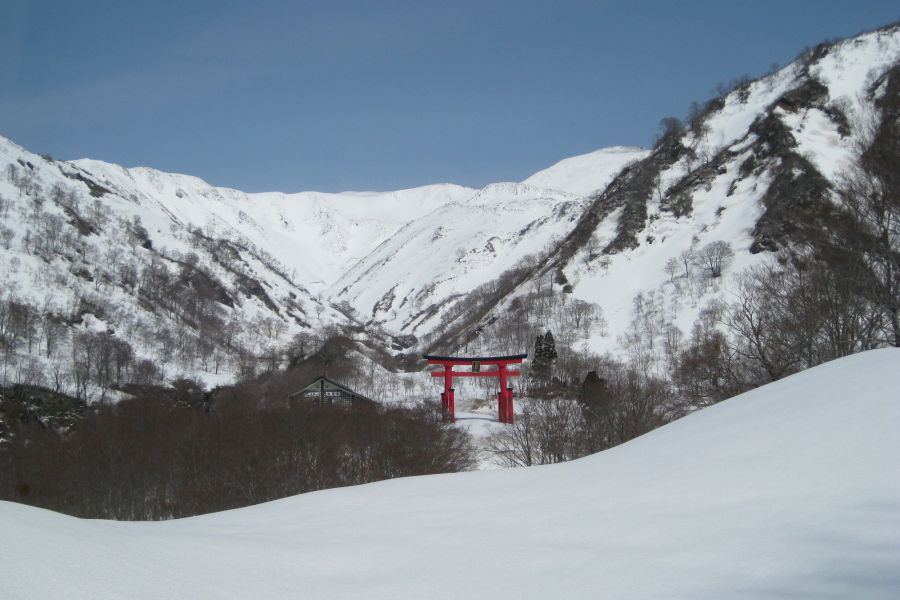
x=6 y=234
x=870 y=195
x=179 y=308
x=28 y=406
x=641 y=339
x=55 y=332
x=514 y=327
x=671 y=129
x=614 y=404
x=548 y=431
x=170 y=453
x=809 y=303
x=18 y=329
x=801 y=312
x=703 y=371
x=640 y=405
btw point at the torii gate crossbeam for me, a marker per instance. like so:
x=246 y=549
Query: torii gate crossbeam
x=504 y=397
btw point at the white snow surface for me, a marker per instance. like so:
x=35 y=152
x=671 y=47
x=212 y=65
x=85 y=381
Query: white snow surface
x=788 y=491
x=456 y=248
x=581 y=175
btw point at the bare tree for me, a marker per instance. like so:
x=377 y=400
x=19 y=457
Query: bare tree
x=715 y=257
x=583 y=315
x=547 y=431
x=6 y=234
x=687 y=258
x=671 y=268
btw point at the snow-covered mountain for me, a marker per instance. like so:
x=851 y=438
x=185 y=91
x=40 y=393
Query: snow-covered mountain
x=755 y=168
x=441 y=256
x=788 y=491
x=104 y=248
x=316 y=235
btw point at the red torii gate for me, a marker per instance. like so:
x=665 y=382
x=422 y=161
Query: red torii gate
x=505 y=396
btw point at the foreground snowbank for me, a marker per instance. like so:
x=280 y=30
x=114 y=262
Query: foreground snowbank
x=788 y=491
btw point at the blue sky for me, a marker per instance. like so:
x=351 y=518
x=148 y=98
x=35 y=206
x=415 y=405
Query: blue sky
x=339 y=95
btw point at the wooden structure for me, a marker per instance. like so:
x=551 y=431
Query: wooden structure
x=504 y=396
x=325 y=392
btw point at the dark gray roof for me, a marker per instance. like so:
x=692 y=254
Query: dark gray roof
x=340 y=386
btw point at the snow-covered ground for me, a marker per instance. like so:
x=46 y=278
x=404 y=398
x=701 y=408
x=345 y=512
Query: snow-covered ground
x=789 y=491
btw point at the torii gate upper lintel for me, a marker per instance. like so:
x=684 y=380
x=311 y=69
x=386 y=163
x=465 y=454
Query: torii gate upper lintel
x=505 y=396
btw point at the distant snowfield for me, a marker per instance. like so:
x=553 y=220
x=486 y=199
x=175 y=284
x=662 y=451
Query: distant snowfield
x=789 y=491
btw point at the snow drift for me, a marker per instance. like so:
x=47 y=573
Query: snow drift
x=787 y=491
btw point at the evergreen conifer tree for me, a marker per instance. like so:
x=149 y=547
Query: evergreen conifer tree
x=550 y=348
x=544 y=356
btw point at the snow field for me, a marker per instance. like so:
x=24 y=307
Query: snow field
x=785 y=491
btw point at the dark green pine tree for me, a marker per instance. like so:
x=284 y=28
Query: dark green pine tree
x=539 y=366
x=550 y=348
x=544 y=356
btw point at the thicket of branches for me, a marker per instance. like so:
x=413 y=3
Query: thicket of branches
x=613 y=404
x=179 y=452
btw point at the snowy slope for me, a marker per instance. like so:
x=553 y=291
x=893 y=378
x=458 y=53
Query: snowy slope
x=453 y=250
x=584 y=174
x=789 y=491
x=714 y=186
x=321 y=235
x=444 y=254
x=86 y=237
x=316 y=235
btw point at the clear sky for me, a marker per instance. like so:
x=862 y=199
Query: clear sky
x=336 y=95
